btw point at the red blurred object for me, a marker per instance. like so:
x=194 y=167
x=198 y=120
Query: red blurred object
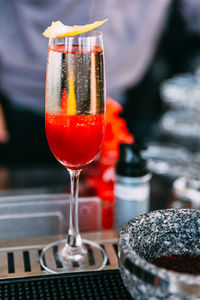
x=102 y=180
x=116 y=130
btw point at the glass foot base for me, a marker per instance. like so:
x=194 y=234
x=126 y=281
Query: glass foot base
x=54 y=260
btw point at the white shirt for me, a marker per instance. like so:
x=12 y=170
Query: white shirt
x=130 y=40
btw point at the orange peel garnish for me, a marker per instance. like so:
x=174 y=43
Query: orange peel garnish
x=58 y=29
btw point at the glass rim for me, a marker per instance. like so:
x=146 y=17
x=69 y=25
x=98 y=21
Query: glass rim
x=85 y=35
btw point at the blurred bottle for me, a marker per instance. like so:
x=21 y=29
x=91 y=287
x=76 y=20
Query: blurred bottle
x=186 y=188
x=132 y=186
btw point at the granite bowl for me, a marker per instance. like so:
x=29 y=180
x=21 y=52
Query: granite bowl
x=156 y=234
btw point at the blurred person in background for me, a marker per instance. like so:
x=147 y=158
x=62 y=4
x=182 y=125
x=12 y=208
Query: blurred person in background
x=131 y=38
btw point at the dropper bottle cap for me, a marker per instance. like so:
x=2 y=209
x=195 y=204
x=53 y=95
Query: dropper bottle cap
x=130 y=163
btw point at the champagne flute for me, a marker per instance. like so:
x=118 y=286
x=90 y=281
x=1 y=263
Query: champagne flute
x=75 y=125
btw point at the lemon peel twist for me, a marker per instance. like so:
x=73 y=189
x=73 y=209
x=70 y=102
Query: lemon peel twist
x=58 y=29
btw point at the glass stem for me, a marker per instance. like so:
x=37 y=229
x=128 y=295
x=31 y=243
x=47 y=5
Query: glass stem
x=74 y=243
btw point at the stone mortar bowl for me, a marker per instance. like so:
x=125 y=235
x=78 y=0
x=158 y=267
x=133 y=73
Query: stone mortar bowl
x=149 y=236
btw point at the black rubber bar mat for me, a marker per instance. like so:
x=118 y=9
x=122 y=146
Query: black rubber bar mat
x=98 y=285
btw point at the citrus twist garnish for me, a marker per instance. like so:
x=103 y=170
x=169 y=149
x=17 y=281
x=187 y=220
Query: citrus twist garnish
x=58 y=29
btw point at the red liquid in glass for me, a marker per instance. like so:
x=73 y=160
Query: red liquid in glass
x=183 y=263
x=75 y=83
x=74 y=139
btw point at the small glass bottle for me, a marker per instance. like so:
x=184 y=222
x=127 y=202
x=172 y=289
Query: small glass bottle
x=132 y=186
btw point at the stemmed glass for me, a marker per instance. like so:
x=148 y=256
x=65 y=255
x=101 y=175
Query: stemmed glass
x=75 y=125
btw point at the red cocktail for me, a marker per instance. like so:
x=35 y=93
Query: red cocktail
x=74 y=140
x=75 y=124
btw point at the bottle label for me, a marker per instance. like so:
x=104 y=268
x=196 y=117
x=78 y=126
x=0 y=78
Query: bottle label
x=132 y=193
